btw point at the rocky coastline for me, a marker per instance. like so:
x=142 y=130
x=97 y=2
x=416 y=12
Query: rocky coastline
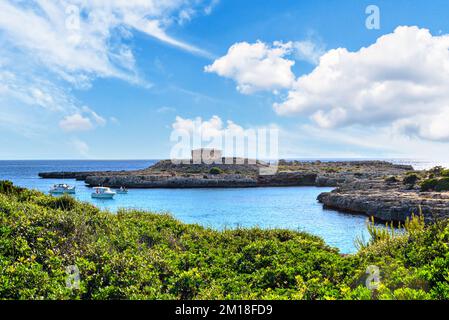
x=166 y=174
x=361 y=187
x=387 y=201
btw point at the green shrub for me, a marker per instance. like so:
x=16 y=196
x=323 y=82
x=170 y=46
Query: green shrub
x=429 y=184
x=391 y=179
x=445 y=173
x=7 y=187
x=215 y=170
x=411 y=179
x=141 y=255
x=436 y=171
x=439 y=185
x=64 y=202
x=442 y=185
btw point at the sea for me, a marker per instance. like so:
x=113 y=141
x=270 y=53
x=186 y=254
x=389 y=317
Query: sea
x=294 y=208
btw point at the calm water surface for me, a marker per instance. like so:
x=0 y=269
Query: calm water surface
x=292 y=208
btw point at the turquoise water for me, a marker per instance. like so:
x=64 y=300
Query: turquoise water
x=292 y=208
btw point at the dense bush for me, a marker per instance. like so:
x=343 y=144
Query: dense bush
x=391 y=179
x=140 y=255
x=438 y=172
x=215 y=170
x=411 y=179
x=435 y=184
x=7 y=187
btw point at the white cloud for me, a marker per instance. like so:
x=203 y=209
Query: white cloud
x=32 y=89
x=256 y=67
x=154 y=29
x=400 y=81
x=232 y=138
x=261 y=67
x=75 y=122
x=41 y=29
x=309 y=50
x=49 y=47
x=431 y=126
x=209 y=129
x=308 y=141
x=83 y=121
x=81 y=46
x=99 y=120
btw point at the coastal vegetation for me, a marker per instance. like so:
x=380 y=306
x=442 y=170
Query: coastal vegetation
x=215 y=170
x=141 y=255
x=391 y=179
x=437 y=179
x=435 y=184
x=411 y=179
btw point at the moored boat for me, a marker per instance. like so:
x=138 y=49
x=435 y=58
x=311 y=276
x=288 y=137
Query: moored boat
x=103 y=193
x=122 y=191
x=62 y=188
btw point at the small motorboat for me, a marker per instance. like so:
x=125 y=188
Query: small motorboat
x=122 y=191
x=103 y=193
x=62 y=188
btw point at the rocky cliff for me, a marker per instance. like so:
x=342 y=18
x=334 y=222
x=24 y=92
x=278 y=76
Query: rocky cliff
x=386 y=200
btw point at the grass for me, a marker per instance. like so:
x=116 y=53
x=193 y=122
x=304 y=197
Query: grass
x=141 y=255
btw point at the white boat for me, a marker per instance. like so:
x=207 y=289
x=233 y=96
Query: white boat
x=122 y=191
x=103 y=193
x=62 y=188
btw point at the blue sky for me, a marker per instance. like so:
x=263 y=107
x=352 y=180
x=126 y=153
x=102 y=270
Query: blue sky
x=114 y=87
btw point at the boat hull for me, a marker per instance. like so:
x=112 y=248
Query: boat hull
x=103 y=195
x=72 y=191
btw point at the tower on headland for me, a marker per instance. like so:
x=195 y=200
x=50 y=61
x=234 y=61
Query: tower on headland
x=206 y=155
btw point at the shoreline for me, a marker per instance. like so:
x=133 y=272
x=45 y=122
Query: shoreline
x=361 y=187
x=165 y=174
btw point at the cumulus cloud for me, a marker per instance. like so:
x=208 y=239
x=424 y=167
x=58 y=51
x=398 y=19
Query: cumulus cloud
x=84 y=121
x=433 y=126
x=207 y=129
x=401 y=80
x=232 y=138
x=260 y=66
x=256 y=67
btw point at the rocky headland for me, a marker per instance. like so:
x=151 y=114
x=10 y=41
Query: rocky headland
x=231 y=173
x=375 y=188
x=386 y=201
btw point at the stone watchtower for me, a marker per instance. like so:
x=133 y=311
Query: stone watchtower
x=206 y=156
